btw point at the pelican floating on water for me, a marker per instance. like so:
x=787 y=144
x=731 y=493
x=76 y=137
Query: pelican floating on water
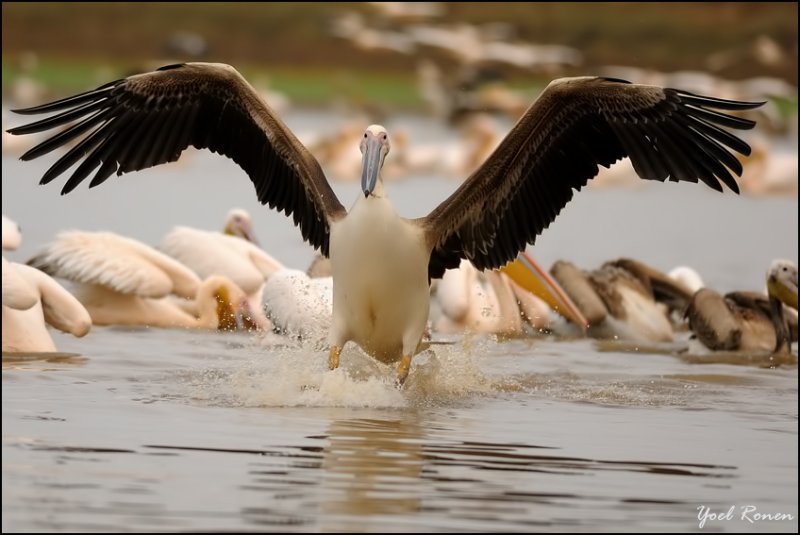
x=625 y=299
x=122 y=281
x=749 y=321
x=233 y=253
x=500 y=301
x=31 y=299
x=382 y=262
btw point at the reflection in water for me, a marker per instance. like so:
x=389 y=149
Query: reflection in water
x=760 y=360
x=373 y=467
x=32 y=361
x=388 y=474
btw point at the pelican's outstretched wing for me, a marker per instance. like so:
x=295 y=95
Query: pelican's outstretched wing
x=574 y=126
x=149 y=119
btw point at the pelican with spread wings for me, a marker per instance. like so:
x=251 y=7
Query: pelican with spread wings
x=382 y=262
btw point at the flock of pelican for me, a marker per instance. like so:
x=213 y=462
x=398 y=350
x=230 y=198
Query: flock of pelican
x=115 y=280
x=382 y=264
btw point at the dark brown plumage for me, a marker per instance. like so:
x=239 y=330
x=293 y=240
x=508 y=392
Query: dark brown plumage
x=575 y=125
x=749 y=321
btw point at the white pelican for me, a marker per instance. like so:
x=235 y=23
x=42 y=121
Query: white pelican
x=299 y=305
x=468 y=300
x=122 y=281
x=499 y=302
x=31 y=298
x=234 y=254
x=12 y=237
x=383 y=262
x=17 y=292
x=749 y=321
x=624 y=299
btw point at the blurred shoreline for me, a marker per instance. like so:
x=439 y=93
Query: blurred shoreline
x=370 y=55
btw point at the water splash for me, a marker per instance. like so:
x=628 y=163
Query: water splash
x=296 y=374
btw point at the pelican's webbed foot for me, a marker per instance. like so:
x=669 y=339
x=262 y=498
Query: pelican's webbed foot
x=333 y=357
x=402 y=370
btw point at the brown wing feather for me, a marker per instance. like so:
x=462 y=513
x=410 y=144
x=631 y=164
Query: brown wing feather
x=149 y=119
x=664 y=288
x=556 y=147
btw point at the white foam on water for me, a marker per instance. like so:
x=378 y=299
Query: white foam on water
x=298 y=375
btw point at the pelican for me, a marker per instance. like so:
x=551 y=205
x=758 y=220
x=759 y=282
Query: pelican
x=122 y=281
x=382 y=262
x=17 y=292
x=466 y=299
x=749 y=321
x=210 y=253
x=31 y=298
x=624 y=299
x=299 y=305
x=499 y=301
x=12 y=237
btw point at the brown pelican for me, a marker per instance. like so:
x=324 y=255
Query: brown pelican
x=748 y=321
x=122 y=281
x=625 y=299
x=382 y=262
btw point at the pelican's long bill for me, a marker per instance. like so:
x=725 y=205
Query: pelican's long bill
x=374 y=147
x=530 y=275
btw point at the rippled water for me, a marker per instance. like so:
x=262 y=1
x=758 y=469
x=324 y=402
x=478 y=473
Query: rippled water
x=148 y=429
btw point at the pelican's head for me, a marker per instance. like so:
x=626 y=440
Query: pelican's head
x=374 y=148
x=12 y=236
x=238 y=223
x=225 y=299
x=782 y=282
